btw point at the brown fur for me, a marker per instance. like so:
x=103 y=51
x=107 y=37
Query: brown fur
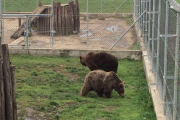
x=100 y=60
x=102 y=83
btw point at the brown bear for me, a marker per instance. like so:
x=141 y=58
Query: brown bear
x=100 y=60
x=102 y=83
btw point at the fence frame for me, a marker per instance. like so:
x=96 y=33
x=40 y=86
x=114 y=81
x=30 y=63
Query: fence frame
x=171 y=112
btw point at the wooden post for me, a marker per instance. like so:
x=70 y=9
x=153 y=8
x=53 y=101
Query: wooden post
x=19 y=22
x=7 y=83
x=2 y=99
x=12 y=69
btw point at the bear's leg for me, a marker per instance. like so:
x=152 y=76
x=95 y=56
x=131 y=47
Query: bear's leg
x=85 y=90
x=100 y=93
x=107 y=93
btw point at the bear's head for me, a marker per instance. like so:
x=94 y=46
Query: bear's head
x=83 y=60
x=121 y=88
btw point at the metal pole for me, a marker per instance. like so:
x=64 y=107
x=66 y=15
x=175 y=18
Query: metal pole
x=119 y=6
x=165 y=53
x=27 y=33
x=146 y=24
x=101 y=6
x=153 y=37
x=37 y=3
x=87 y=20
x=127 y=30
x=134 y=15
x=176 y=70
x=143 y=19
x=149 y=30
x=52 y=24
x=158 y=41
x=4 y=5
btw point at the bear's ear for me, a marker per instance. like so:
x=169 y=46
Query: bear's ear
x=80 y=57
x=122 y=83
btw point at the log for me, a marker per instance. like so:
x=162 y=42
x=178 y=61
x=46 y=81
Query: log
x=7 y=83
x=2 y=97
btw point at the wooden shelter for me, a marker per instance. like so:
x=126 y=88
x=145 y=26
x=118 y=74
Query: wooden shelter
x=66 y=19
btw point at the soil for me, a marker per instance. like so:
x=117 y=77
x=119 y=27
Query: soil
x=102 y=35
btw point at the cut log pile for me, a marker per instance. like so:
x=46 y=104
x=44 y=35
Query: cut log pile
x=8 y=107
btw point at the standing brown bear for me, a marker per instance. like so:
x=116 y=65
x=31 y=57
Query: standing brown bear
x=102 y=83
x=100 y=60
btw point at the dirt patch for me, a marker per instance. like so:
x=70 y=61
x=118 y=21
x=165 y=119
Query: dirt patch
x=72 y=76
x=102 y=34
x=31 y=114
x=110 y=108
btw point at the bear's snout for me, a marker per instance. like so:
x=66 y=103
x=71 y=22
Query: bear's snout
x=122 y=95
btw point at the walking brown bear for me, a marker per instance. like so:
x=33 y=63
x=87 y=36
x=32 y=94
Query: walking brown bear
x=100 y=60
x=102 y=83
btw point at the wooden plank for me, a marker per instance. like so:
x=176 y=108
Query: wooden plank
x=55 y=16
x=75 y=18
x=58 y=18
x=78 y=14
x=48 y=20
x=12 y=70
x=63 y=20
x=71 y=16
x=7 y=83
x=20 y=30
x=67 y=20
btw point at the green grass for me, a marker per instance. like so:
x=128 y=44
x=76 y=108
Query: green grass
x=52 y=85
x=94 y=5
x=178 y=1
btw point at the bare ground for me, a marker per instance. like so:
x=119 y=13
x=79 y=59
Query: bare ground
x=101 y=36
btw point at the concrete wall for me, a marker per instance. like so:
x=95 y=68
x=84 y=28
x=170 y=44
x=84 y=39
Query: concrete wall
x=137 y=55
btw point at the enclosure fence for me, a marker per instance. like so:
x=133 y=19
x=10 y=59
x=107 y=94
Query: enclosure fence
x=159 y=28
x=97 y=24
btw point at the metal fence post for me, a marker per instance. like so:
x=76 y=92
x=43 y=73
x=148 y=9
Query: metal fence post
x=52 y=24
x=146 y=24
x=158 y=41
x=176 y=71
x=149 y=30
x=120 y=6
x=153 y=37
x=4 y=6
x=87 y=20
x=27 y=34
x=101 y=6
x=165 y=53
x=134 y=9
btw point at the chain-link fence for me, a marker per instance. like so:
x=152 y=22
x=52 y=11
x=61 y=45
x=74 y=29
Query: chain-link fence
x=80 y=24
x=159 y=26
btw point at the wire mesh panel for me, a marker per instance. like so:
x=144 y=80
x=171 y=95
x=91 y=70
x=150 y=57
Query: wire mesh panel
x=162 y=44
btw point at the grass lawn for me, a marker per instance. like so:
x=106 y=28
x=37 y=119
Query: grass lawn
x=178 y=1
x=108 y=6
x=51 y=86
